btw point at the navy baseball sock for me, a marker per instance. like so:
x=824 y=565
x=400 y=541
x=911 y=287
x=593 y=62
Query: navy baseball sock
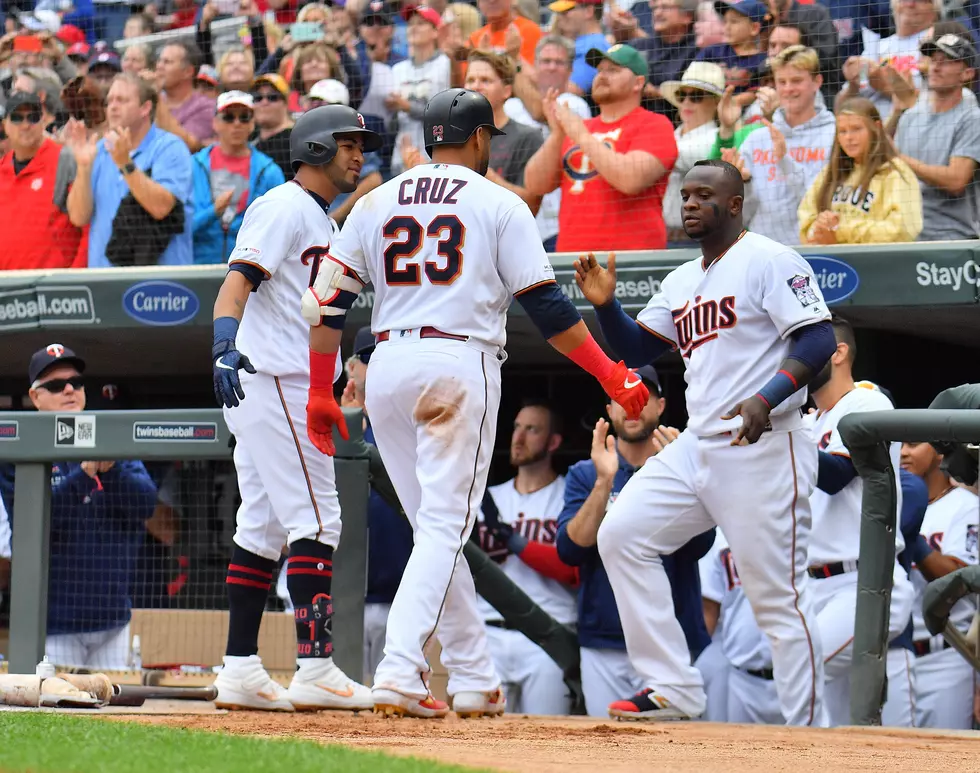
x=249 y=579
x=308 y=573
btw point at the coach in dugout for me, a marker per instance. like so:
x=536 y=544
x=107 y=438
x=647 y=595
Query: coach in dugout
x=98 y=511
x=590 y=487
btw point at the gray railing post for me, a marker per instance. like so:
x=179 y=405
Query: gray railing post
x=29 y=565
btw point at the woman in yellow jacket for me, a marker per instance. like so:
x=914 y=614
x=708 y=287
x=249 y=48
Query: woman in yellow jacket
x=866 y=194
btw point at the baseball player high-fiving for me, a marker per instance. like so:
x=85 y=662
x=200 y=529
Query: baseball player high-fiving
x=447 y=251
x=752 y=327
x=288 y=491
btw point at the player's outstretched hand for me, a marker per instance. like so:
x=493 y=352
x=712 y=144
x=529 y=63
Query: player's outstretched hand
x=755 y=418
x=627 y=389
x=227 y=361
x=322 y=415
x=597 y=284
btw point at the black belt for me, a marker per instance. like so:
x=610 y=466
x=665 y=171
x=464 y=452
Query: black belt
x=923 y=647
x=425 y=332
x=831 y=570
x=760 y=673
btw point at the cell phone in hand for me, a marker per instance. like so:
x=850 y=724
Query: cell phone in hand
x=306 y=31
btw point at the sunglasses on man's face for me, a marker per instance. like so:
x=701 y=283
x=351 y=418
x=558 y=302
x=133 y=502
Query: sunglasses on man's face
x=57 y=385
x=32 y=117
x=240 y=117
x=697 y=97
x=272 y=96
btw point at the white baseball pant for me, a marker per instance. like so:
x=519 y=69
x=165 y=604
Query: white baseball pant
x=607 y=676
x=759 y=495
x=714 y=668
x=943 y=690
x=433 y=404
x=532 y=681
x=835 y=599
x=287 y=486
x=752 y=699
x=97 y=649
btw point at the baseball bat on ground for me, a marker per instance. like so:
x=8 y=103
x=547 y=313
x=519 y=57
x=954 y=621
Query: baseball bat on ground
x=124 y=694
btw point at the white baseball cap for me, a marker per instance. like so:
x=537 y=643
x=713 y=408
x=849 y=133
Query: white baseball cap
x=331 y=91
x=230 y=98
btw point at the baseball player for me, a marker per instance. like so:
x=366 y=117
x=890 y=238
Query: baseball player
x=446 y=251
x=518 y=529
x=835 y=541
x=591 y=487
x=750 y=322
x=289 y=496
x=751 y=697
x=947 y=542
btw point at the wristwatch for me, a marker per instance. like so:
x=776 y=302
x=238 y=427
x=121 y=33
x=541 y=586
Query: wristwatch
x=127 y=169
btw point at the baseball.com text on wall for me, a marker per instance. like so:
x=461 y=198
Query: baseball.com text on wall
x=40 y=306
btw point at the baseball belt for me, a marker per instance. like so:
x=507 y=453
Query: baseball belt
x=924 y=647
x=424 y=332
x=832 y=570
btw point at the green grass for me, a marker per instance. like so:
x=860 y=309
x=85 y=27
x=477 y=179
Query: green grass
x=53 y=743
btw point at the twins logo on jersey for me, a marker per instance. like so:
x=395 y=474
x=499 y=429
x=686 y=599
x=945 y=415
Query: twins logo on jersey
x=731 y=573
x=312 y=257
x=825 y=440
x=936 y=541
x=532 y=529
x=698 y=324
x=800 y=285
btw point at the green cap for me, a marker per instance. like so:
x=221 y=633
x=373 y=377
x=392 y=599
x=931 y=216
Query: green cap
x=621 y=54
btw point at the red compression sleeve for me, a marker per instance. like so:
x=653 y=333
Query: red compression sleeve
x=544 y=560
x=590 y=358
x=322 y=367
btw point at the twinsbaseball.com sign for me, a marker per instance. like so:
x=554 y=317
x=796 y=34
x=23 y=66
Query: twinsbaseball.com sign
x=49 y=305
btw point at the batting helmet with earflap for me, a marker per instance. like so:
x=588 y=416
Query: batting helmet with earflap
x=313 y=140
x=452 y=116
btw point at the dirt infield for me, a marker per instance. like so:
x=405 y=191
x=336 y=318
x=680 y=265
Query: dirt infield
x=559 y=745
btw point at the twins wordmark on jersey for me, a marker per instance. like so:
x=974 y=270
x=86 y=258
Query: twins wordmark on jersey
x=533 y=529
x=732 y=321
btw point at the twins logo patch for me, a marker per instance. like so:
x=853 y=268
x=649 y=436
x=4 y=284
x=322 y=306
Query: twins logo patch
x=800 y=285
x=971 y=539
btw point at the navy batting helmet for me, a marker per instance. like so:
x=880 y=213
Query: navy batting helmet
x=452 y=116
x=314 y=137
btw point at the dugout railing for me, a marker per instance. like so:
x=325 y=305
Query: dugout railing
x=867 y=436
x=33 y=440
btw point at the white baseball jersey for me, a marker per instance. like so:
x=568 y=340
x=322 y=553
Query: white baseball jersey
x=5 y=533
x=444 y=247
x=950 y=525
x=743 y=644
x=836 y=531
x=534 y=516
x=286 y=234
x=732 y=323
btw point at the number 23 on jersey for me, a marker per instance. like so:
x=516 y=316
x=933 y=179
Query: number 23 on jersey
x=408 y=238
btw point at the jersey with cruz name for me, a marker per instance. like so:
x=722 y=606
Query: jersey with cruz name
x=444 y=247
x=732 y=322
x=286 y=234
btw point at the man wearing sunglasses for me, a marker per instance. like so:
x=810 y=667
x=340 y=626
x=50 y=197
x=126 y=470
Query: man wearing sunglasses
x=228 y=176
x=35 y=176
x=98 y=512
x=269 y=95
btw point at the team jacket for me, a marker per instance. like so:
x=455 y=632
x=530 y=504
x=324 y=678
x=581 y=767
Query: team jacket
x=598 y=616
x=889 y=211
x=212 y=243
x=96 y=529
x=390 y=544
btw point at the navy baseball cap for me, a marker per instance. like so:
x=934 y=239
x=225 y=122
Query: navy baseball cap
x=50 y=355
x=751 y=9
x=649 y=374
x=364 y=342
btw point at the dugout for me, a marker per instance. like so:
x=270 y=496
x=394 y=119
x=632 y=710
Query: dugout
x=146 y=332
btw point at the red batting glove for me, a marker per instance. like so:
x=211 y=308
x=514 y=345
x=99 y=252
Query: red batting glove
x=627 y=389
x=322 y=415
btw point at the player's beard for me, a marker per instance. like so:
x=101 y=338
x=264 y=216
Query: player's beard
x=639 y=435
x=519 y=459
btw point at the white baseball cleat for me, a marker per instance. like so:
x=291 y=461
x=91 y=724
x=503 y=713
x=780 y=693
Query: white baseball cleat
x=470 y=704
x=243 y=683
x=390 y=703
x=320 y=685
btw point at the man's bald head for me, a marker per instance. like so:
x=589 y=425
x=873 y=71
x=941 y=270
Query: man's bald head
x=724 y=177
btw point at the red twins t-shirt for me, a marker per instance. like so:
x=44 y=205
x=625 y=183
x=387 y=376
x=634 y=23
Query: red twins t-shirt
x=593 y=214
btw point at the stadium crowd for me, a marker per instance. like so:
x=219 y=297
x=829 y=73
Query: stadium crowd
x=852 y=122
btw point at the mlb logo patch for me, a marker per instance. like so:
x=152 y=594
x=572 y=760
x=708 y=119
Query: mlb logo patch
x=971 y=540
x=437 y=133
x=800 y=285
